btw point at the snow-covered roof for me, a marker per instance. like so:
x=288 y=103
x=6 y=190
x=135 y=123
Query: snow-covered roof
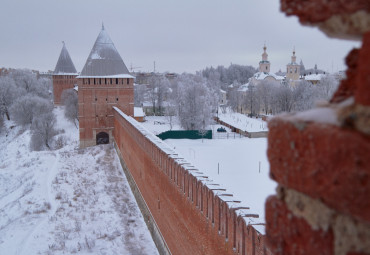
x=104 y=59
x=65 y=65
x=313 y=77
x=107 y=76
x=222 y=91
x=263 y=75
x=138 y=112
x=61 y=73
x=243 y=88
x=293 y=64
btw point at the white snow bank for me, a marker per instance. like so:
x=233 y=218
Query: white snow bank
x=66 y=201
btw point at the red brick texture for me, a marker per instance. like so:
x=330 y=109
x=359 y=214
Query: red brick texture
x=96 y=98
x=357 y=82
x=288 y=234
x=190 y=217
x=323 y=162
x=315 y=11
x=325 y=165
x=61 y=83
x=347 y=87
x=362 y=95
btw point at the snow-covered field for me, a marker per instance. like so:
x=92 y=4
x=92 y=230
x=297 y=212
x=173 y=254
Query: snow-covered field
x=238 y=165
x=242 y=121
x=159 y=124
x=66 y=201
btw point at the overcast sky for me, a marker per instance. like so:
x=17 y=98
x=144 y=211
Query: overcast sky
x=180 y=36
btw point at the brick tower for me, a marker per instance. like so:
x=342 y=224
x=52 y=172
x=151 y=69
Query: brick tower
x=64 y=76
x=104 y=82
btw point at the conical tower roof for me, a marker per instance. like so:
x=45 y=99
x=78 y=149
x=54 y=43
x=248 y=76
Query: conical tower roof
x=104 y=59
x=65 y=64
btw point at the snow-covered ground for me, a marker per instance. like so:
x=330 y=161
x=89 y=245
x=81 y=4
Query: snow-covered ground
x=159 y=124
x=238 y=165
x=66 y=201
x=242 y=121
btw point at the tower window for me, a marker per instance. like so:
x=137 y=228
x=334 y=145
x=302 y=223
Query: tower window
x=116 y=80
x=111 y=81
x=105 y=81
x=94 y=81
x=266 y=67
x=117 y=99
x=88 y=80
x=96 y=99
x=128 y=81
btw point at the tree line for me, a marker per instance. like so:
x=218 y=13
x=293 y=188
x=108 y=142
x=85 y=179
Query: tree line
x=27 y=101
x=273 y=98
x=193 y=98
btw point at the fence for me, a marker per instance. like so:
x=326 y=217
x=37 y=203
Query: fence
x=186 y=134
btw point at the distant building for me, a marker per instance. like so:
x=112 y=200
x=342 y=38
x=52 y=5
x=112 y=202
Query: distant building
x=64 y=75
x=222 y=99
x=263 y=74
x=293 y=70
x=264 y=71
x=139 y=114
x=314 y=78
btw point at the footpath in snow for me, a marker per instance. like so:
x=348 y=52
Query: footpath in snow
x=66 y=201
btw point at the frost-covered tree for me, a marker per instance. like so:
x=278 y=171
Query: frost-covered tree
x=70 y=101
x=24 y=79
x=43 y=88
x=304 y=96
x=25 y=108
x=326 y=87
x=1 y=124
x=195 y=102
x=139 y=94
x=157 y=92
x=8 y=93
x=265 y=93
x=252 y=100
x=43 y=130
x=283 y=98
x=227 y=76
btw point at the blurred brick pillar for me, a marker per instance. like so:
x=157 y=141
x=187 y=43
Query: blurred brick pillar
x=321 y=158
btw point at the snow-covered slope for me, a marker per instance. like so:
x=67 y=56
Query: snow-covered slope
x=66 y=201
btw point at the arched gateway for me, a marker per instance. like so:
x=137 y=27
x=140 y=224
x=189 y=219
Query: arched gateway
x=102 y=138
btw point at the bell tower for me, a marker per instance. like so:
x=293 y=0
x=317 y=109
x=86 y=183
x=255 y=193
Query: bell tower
x=264 y=63
x=293 y=68
x=104 y=82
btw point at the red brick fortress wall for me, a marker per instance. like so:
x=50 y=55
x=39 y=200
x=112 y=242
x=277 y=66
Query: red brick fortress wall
x=61 y=83
x=96 y=98
x=320 y=158
x=190 y=216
